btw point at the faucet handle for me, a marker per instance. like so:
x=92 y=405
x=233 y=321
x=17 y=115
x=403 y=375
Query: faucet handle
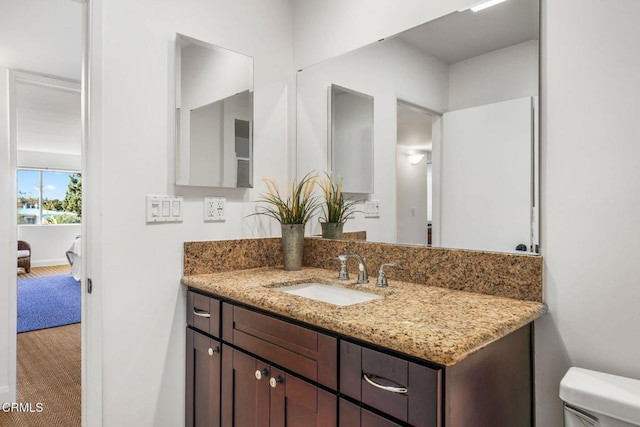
x=363 y=277
x=382 y=276
x=343 y=274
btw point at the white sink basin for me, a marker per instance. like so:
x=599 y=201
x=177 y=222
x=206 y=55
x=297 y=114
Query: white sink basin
x=329 y=293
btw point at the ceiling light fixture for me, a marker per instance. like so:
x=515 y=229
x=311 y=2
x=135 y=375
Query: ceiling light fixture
x=416 y=158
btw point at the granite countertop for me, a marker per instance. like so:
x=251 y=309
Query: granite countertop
x=436 y=324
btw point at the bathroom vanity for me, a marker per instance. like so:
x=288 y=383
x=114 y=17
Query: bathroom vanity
x=419 y=355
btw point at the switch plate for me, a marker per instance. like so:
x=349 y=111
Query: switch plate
x=164 y=208
x=214 y=208
x=372 y=209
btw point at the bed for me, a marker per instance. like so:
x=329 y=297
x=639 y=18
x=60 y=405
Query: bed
x=74 y=255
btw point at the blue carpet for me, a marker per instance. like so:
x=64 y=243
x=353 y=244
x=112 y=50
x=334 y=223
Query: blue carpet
x=45 y=302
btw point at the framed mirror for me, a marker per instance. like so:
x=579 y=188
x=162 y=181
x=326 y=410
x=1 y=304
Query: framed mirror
x=461 y=77
x=214 y=115
x=351 y=141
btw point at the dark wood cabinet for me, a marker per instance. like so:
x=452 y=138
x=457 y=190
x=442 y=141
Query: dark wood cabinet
x=203 y=380
x=255 y=394
x=246 y=368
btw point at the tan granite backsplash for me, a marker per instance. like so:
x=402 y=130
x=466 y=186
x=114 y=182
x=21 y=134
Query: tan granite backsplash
x=516 y=276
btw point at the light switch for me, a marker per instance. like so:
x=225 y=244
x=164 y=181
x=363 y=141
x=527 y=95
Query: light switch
x=164 y=208
x=372 y=209
x=176 y=208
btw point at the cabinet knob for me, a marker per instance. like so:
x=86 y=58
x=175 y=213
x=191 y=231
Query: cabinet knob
x=260 y=373
x=273 y=382
x=211 y=351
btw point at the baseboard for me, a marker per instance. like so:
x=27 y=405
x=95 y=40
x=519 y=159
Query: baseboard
x=49 y=262
x=4 y=394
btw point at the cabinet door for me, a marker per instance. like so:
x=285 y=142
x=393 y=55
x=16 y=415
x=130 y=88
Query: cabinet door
x=203 y=380
x=245 y=390
x=295 y=402
x=256 y=394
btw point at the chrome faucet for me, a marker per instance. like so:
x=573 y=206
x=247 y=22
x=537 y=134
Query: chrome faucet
x=382 y=276
x=363 y=277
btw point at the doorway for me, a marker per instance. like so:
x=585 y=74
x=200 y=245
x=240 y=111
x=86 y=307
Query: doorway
x=414 y=174
x=47 y=43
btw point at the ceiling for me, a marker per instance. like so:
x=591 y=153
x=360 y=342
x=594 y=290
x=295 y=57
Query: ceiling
x=44 y=37
x=48 y=120
x=454 y=37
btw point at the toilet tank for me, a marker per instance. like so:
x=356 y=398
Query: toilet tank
x=599 y=399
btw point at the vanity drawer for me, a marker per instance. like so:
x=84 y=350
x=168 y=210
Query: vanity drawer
x=203 y=313
x=306 y=352
x=351 y=415
x=405 y=390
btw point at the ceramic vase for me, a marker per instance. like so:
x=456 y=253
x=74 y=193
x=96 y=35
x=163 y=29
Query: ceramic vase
x=292 y=246
x=332 y=230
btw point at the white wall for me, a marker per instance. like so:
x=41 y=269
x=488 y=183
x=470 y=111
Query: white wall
x=590 y=195
x=49 y=243
x=136 y=267
x=500 y=75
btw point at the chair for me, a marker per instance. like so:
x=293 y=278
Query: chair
x=24 y=255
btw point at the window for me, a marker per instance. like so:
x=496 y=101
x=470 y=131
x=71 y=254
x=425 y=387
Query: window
x=49 y=197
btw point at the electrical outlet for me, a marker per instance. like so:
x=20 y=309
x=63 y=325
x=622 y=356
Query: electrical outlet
x=214 y=208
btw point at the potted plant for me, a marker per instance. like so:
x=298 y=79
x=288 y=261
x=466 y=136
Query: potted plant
x=336 y=209
x=292 y=210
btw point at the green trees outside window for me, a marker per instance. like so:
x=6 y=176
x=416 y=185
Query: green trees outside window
x=49 y=197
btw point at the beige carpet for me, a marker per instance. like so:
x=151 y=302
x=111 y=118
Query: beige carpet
x=48 y=377
x=54 y=270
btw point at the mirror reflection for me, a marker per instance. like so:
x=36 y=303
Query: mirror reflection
x=352 y=138
x=455 y=129
x=214 y=115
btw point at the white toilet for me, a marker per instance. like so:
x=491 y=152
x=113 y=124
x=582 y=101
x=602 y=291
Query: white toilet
x=596 y=399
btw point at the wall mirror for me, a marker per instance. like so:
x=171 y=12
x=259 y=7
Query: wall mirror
x=214 y=115
x=467 y=84
x=351 y=137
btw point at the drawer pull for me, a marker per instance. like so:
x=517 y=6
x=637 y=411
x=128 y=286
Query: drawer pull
x=394 y=389
x=212 y=351
x=201 y=313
